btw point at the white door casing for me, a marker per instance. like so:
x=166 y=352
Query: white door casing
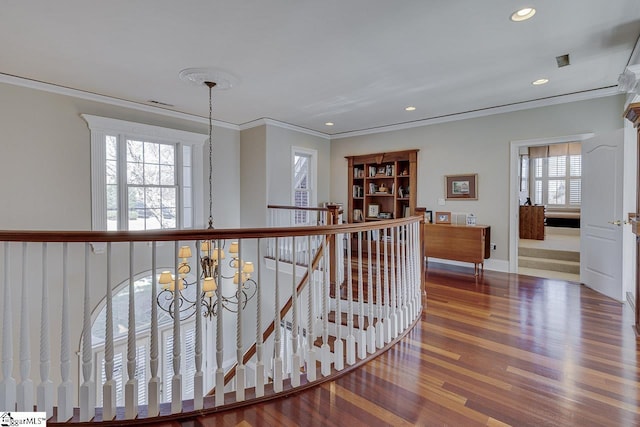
x=601 y=214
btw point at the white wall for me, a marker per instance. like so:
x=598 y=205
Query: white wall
x=481 y=146
x=279 y=160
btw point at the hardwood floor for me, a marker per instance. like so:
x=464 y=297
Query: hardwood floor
x=505 y=350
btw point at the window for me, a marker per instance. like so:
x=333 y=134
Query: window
x=143 y=176
x=304 y=178
x=556 y=175
x=143 y=329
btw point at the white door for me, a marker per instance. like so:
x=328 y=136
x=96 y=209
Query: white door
x=601 y=214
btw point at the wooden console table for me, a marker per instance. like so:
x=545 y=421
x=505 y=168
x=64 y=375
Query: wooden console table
x=458 y=243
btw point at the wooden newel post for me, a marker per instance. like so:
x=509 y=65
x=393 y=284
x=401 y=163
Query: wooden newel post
x=333 y=219
x=422 y=211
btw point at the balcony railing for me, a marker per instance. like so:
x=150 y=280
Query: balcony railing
x=305 y=323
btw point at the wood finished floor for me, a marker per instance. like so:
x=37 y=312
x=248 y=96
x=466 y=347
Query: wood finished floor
x=505 y=350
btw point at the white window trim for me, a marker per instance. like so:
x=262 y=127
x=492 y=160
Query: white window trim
x=102 y=126
x=313 y=178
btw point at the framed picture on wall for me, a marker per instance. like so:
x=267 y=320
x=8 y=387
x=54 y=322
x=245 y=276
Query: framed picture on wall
x=461 y=187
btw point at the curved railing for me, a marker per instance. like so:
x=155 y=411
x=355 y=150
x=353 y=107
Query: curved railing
x=305 y=322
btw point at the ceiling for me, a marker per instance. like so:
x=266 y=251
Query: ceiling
x=356 y=63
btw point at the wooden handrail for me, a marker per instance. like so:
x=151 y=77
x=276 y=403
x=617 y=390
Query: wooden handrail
x=200 y=234
x=271 y=328
x=299 y=208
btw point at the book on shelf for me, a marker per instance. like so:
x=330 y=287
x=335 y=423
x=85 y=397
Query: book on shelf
x=372 y=171
x=358 y=173
x=373 y=188
x=357 y=215
x=358 y=191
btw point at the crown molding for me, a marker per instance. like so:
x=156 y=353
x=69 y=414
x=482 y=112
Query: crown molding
x=62 y=90
x=271 y=122
x=561 y=99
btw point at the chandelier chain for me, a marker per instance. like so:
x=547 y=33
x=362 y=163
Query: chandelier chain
x=210 y=85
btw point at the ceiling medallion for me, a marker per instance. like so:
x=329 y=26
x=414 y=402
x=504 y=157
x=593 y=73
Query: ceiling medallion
x=198 y=76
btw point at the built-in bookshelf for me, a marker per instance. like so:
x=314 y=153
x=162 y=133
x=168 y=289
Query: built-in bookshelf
x=382 y=185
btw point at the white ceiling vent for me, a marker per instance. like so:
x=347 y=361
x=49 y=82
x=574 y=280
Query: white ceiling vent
x=562 y=60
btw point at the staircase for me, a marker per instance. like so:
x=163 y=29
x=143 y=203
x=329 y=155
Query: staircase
x=558 y=252
x=549 y=259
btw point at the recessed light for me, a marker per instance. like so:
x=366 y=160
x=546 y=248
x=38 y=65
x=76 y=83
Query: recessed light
x=329 y=123
x=410 y=109
x=540 y=82
x=523 y=14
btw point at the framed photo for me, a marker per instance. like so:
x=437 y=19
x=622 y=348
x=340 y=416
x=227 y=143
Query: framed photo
x=461 y=187
x=443 y=217
x=428 y=216
x=373 y=210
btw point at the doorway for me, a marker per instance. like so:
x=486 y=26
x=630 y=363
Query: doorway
x=557 y=254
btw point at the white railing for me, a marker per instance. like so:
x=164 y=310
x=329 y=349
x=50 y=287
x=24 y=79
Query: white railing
x=56 y=280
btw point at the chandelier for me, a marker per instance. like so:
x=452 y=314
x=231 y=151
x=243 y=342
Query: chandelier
x=211 y=254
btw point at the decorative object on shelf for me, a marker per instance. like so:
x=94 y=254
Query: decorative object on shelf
x=383 y=188
x=384 y=215
x=461 y=187
x=428 y=217
x=373 y=210
x=471 y=219
x=211 y=255
x=443 y=217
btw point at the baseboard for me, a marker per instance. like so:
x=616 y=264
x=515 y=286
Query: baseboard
x=489 y=264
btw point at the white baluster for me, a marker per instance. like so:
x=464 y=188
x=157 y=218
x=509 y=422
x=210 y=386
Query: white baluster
x=240 y=368
x=109 y=387
x=405 y=279
x=419 y=262
x=154 y=362
x=65 y=389
x=361 y=336
x=338 y=345
x=259 y=340
x=371 y=336
x=88 y=387
x=277 y=361
x=45 y=388
x=393 y=300
x=351 y=340
x=219 y=341
x=325 y=351
x=25 y=386
x=198 y=377
x=311 y=353
x=379 y=328
x=412 y=272
x=8 y=384
x=176 y=380
x=131 y=386
x=295 y=357
x=400 y=281
x=386 y=323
